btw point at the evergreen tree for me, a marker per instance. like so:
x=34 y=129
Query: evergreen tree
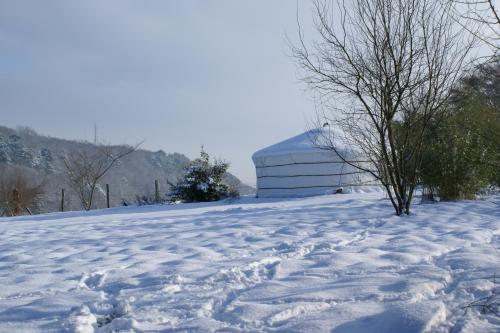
x=203 y=181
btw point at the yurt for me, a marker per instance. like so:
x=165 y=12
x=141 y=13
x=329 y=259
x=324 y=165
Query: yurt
x=297 y=167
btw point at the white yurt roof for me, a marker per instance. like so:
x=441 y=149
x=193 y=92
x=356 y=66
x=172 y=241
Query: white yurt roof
x=304 y=142
x=308 y=141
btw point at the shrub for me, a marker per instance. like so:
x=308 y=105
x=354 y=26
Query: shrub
x=203 y=181
x=461 y=157
x=17 y=193
x=145 y=200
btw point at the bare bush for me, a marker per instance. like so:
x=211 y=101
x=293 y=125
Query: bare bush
x=84 y=168
x=487 y=305
x=17 y=193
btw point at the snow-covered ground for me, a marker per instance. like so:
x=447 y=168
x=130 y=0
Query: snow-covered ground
x=339 y=263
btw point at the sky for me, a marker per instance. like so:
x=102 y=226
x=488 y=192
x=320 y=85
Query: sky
x=176 y=74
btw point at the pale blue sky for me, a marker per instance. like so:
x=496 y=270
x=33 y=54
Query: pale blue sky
x=178 y=74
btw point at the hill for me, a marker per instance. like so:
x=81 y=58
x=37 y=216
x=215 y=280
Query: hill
x=41 y=157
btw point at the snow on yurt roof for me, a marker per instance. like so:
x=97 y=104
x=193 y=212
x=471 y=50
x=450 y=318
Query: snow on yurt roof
x=302 y=143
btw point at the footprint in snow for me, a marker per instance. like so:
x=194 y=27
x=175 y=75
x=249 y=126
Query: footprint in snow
x=296 y=311
x=92 y=280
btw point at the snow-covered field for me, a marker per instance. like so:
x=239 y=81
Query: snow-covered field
x=341 y=263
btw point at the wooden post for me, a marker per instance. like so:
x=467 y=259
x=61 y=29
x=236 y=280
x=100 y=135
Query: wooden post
x=107 y=195
x=10 y=210
x=29 y=211
x=62 y=200
x=16 y=199
x=157 y=191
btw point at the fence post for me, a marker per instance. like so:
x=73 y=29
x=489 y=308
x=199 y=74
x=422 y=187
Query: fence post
x=157 y=191
x=62 y=200
x=107 y=195
x=16 y=199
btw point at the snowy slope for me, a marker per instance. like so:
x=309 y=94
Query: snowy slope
x=341 y=263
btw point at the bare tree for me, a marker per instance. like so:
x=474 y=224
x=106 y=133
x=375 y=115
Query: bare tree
x=17 y=192
x=86 y=167
x=383 y=70
x=480 y=17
